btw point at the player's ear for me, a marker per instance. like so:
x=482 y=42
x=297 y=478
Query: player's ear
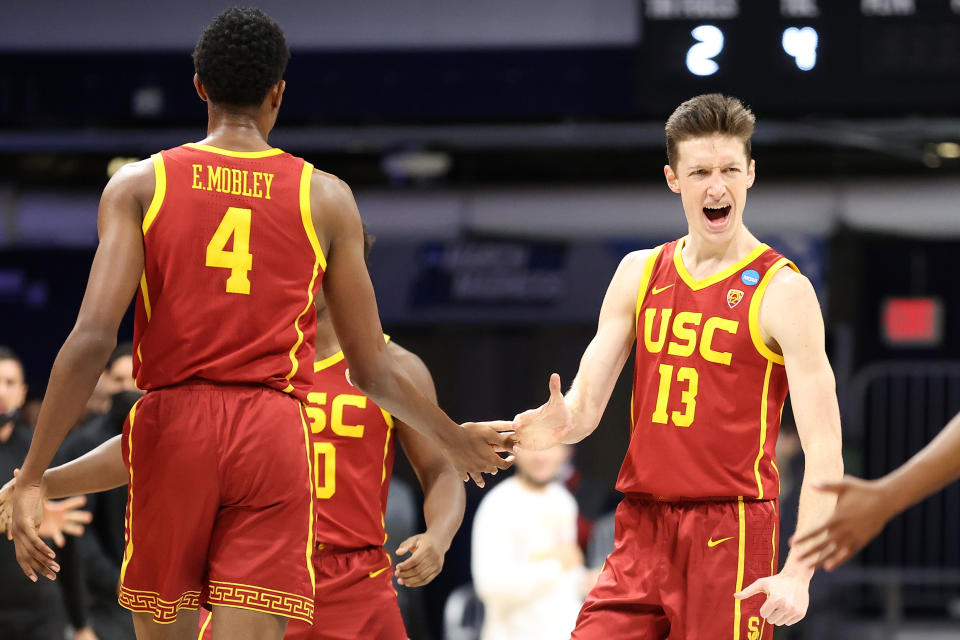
x=671 y=177
x=276 y=94
x=751 y=173
x=201 y=91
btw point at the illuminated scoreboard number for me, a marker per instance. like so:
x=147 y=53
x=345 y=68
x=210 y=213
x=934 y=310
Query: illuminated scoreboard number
x=800 y=43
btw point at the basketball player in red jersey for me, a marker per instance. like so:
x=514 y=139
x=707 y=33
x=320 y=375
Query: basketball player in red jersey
x=352 y=444
x=228 y=241
x=722 y=324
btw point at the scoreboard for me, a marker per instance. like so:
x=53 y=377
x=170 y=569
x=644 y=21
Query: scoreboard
x=791 y=57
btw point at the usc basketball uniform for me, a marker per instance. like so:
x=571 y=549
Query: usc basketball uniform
x=698 y=522
x=219 y=507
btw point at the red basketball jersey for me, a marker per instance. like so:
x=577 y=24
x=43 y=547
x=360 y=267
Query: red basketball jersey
x=707 y=392
x=353 y=446
x=232 y=264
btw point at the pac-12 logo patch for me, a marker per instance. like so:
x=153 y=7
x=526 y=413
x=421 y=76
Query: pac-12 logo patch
x=750 y=277
x=734 y=296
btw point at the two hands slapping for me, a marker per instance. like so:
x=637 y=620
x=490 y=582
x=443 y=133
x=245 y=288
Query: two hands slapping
x=536 y=429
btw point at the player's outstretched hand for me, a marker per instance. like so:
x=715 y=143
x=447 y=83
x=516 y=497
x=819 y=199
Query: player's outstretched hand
x=787 y=598
x=477 y=451
x=863 y=508
x=545 y=426
x=423 y=565
x=33 y=555
x=64 y=517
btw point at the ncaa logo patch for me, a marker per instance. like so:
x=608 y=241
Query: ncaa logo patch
x=734 y=296
x=750 y=277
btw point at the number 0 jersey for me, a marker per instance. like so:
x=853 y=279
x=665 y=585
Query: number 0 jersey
x=231 y=266
x=707 y=392
x=352 y=443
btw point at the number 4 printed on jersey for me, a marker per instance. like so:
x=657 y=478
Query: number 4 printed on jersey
x=235 y=224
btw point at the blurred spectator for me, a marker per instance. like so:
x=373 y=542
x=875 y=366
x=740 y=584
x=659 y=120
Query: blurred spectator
x=28 y=610
x=527 y=567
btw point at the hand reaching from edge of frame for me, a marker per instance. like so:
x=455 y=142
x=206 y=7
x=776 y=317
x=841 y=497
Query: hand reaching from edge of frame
x=863 y=509
x=64 y=517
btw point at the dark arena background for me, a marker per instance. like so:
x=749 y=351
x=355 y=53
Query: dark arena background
x=507 y=155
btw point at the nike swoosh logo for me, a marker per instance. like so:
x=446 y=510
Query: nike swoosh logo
x=374 y=574
x=712 y=543
x=655 y=290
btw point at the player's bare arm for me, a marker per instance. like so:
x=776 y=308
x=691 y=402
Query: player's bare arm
x=571 y=418
x=444 y=499
x=865 y=506
x=791 y=322
x=353 y=311
x=114 y=277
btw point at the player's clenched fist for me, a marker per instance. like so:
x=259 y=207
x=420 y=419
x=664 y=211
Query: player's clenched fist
x=475 y=452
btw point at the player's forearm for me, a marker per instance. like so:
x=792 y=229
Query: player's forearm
x=824 y=462
x=98 y=470
x=590 y=392
x=72 y=380
x=388 y=386
x=931 y=469
x=443 y=506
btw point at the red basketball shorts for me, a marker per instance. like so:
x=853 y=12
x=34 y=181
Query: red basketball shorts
x=675 y=567
x=219 y=508
x=355 y=599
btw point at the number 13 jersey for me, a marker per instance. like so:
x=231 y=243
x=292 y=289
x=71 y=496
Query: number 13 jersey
x=231 y=266
x=707 y=391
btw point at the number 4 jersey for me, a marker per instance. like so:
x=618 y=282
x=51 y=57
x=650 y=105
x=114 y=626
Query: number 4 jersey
x=231 y=266
x=707 y=391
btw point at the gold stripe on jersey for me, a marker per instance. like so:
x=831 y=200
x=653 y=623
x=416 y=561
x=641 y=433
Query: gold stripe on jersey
x=317 y=262
x=306 y=214
x=128 y=548
x=645 y=280
x=159 y=193
x=754 y=314
x=641 y=294
x=383 y=476
x=720 y=276
x=310 y=483
x=741 y=556
x=235 y=154
x=763 y=428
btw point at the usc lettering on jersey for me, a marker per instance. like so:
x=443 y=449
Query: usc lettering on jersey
x=231 y=266
x=352 y=445
x=707 y=392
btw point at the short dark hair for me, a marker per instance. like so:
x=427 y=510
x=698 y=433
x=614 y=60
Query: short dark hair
x=707 y=114
x=6 y=353
x=239 y=56
x=121 y=350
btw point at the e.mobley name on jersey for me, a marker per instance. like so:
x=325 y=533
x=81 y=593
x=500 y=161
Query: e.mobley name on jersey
x=239 y=182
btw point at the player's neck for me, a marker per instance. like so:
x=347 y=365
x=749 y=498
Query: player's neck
x=236 y=131
x=703 y=258
x=326 y=341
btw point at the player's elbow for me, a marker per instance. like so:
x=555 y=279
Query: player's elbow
x=90 y=341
